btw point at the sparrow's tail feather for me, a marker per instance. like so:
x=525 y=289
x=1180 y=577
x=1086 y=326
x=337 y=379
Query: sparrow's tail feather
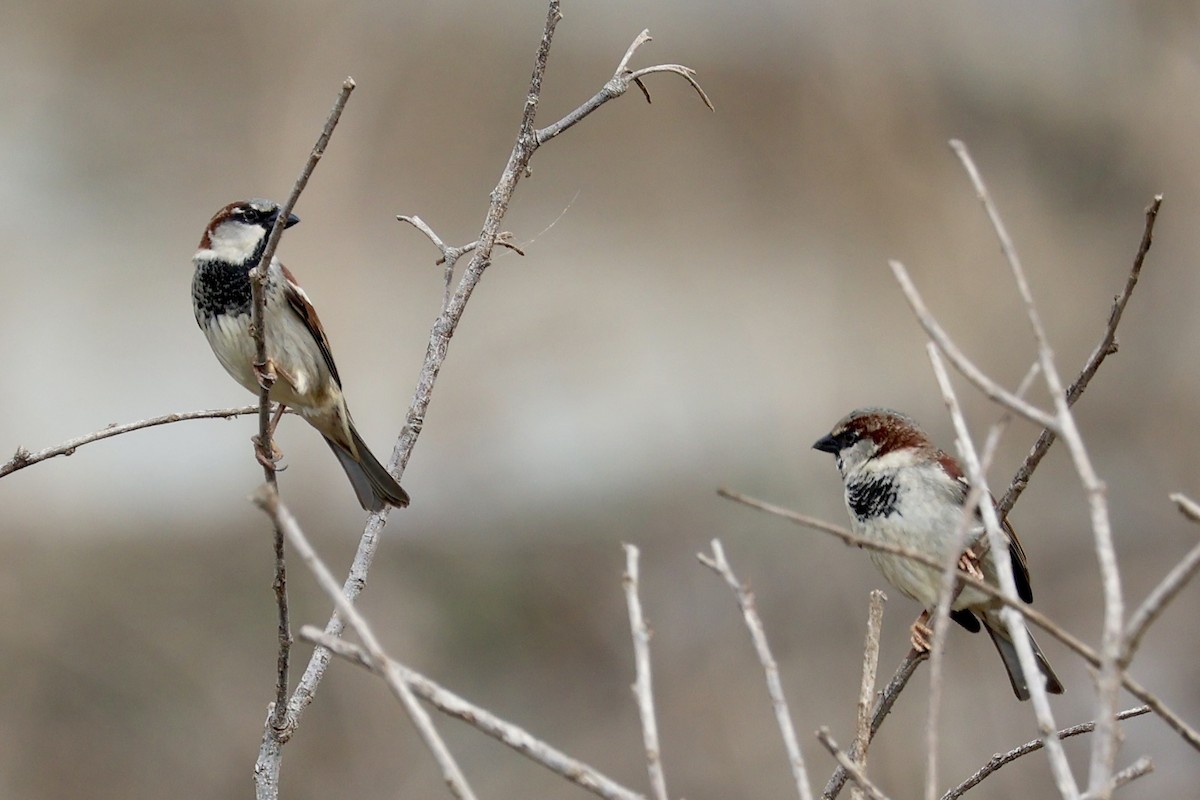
x=373 y=484
x=1008 y=653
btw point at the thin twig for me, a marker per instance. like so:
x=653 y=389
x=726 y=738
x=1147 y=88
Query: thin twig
x=270 y=753
x=852 y=769
x=1166 y=591
x=758 y=635
x=950 y=587
x=1000 y=759
x=619 y=85
x=266 y=372
x=268 y=500
x=883 y=706
x=1143 y=766
x=866 y=689
x=1108 y=683
x=1106 y=347
x=23 y=458
x=520 y=740
x=1074 y=643
x=643 y=689
x=1019 y=636
x=960 y=361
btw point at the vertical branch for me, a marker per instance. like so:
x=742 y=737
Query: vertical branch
x=265 y=371
x=642 y=687
x=862 y=735
x=999 y=550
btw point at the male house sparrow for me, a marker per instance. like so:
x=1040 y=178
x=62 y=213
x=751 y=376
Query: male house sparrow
x=902 y=490
x=297 y=349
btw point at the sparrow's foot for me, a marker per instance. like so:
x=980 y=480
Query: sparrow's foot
x=968 y=562
x=268 y=460
x=264 y=373
x=922 y=634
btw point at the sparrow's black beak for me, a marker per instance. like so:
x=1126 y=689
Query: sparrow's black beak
x=826 y=444
x=291 y=220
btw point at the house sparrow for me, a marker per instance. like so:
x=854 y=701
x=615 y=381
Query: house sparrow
x=902 y=490
x=297 y=350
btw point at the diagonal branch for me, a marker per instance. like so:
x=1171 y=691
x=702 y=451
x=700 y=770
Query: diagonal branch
x=270 y=752
x=1106 y=347
x=582 y=775
x=23 y=458
x=268 y=500
x=783 y=717
x=852 y=769
x=1166 y=591
x=1001 y=759
x=1074 y=643
x=1108 y=684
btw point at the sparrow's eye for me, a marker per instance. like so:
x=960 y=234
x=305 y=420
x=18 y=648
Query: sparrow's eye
x=845 y=439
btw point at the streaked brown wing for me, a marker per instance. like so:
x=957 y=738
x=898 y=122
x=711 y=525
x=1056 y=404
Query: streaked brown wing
x=299 y=302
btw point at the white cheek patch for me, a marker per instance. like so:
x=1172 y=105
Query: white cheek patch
x=233 y=242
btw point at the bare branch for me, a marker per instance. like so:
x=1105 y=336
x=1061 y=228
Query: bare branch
x=1143 y=766
x=866 y=689
x=883 y=706
x=1106 y=347
x=264 y=448
x=1059 y=765
x=619 y=85
x=23 y=458
x=439 y=341
x=964 y=365
x=852 y=769
x=1176 y=723
x=268 y=500
x=783 y=717
x=582 y=775
x=1105 y=743
x=1001 y=759
x=1166 y=591
x=642 y=686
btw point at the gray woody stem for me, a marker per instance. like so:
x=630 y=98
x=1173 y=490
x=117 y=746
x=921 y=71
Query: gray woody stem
x=270 y=753
x=643 y=689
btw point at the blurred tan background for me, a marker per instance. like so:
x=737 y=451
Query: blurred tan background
x=703 y=296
